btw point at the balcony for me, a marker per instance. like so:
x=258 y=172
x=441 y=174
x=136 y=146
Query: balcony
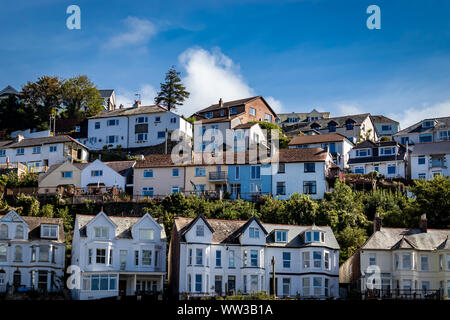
x=218 y=176
x=438 y=163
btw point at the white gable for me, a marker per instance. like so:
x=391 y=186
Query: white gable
x=245 y=238
x=191 y=235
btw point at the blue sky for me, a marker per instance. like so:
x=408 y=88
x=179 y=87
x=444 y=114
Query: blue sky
x=298 y=54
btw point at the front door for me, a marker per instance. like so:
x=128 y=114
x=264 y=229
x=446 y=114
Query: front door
x=17 y=279
x=218 y=285
x=122 y=287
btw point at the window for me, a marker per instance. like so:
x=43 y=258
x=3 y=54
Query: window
x=112 y=139
x=253 y=283
x=255 y=172
x=161 y=134
x=286 y=259
x=198 y=283
x=404 y=140
x=281 y=188
x=112 y=122
x=173 y=120
x=386 y=128
x=48 y=231
x=406 y=285
x=327 y=289
x=200 y=172
x=327 y=261
x=391 y=169
x=359 y=170
x=448 y=261
x=306 y=284
x=3 y=253
x=96 y=173
x=254 y=258
x=100 y=256
x=146 y=257
x=317 y=258
x=141 y=137
x=233 y=110
x=208 y=115
x=123 y=259
x=422 y=175
x=317 y=286
x=406 y=261
x=44 y=253
x=425 y=138
x=424 y=266
x=142 y=120
x=158 y=119
x=136 y=257
x=309 y=187
x=92 y=140
x=147 y=191
x=332 y=128
x=101 y=232
x=254 y=233
x=427 y=124
x=237 y=172
x=218 y=258
x=306 y=260
x=89 y=256
x=148 y=173
x=100 y=282
x=286 y=287
x=244 y=282
x=231 y=259
x=2 y=153
x=53 y=148
x=175 y=189
x=387 y=151
x=444 y=135
x=66 y=174
x=214 y=129
x=20 y=151
x=200 y=231
x=421 y=160
x=36 y=149
x=18 y=254
x=97 y=125
x=280 y=236
x=19 y=232
x=363 y=153
x=268 y=117
x=281 y=168
x=3 y=231
x=199 y=257
x=110 y=256
x=372 y=259
x=146 y=234
x=350 y=126
x=190 y=257
x=175 y=172
x=310 y=167
x=253 y=112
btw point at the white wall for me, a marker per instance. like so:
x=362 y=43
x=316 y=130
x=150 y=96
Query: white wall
x=417 y=168
x=109 y=177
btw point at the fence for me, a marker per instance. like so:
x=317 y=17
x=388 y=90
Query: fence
x=407 y=294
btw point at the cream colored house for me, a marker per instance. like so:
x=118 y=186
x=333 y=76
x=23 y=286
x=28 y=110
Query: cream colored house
x=401 y=263
x=58 y=175
x=206 y=173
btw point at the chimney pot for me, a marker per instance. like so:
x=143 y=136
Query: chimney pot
x=423 y=223
x=220 y=102
x=377 y=222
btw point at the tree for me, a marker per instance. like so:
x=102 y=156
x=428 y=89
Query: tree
x=350 y=239
x=172 y=93
x=283 y=141
x=80 y=98
x=44 y=98
x=15 y=115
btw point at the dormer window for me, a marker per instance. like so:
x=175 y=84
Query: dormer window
x=254 y=233
x=280 y=236
x=363 y=153
x=387 y=151
x=332 y=127
x=146 y=234
x=200 y=231
x=233 y=111
x=350 y=126
x=19 y=232
x=427 y=124
x=101 y=232
x=49 y=231
x=208 y=115
x=315 y=236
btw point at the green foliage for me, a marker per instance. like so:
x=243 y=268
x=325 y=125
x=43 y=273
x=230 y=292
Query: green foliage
x=172 y=93
x=350 y=239
x=27 y=205
x=282 y=139
x=262 y=295
x=47 y=211
x=12 y=180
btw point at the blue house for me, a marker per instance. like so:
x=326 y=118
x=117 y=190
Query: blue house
x=249 y=181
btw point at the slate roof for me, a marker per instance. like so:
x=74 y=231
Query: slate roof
x=8 y=90
x=318 y=138
x=379 y=119
x=323 y=123
x=53 y=167
x=401 y=152
x=398 y=238
x=156 y=160
x=215 y=120
x=443 y=122
x=228 y=104
x=441 y=147
x=247 y=125
x=106 y=93
x=31 y=142
x=124 y=225
x=121 y=167
x=125 y=112
x=228 y=232
x=34 y=224
x=302 y=155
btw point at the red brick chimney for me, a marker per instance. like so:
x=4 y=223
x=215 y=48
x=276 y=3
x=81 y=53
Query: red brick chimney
x=377 y=222
x=423 y=223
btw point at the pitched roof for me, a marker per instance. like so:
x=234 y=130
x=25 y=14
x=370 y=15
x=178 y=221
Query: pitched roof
x=228 y=232
x=302 y=155
x=396 y=238
x=8 y=90
x=124 y=112
x=157 y=160
x=441 y=147
x=121 y=167
x=124 y=225
x=247 y=125
x=53 y=167
x=34 y=224
x=443 y=122
x=382 y=119
x=400 y=155
x=106 y=93
x=323 y=123
x=318 y=138
x=228 y=104
x=214 y=120
x=31 y=142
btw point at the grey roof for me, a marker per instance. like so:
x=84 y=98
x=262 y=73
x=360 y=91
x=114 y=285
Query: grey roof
x=442 y=147
x=401 y=152
x=8 y=90
x=53 y=167
x=357 y=119
x=31 y=142
x=228 y=232
x=125 y=112
x=401 y=238
x=443 y=122
x=106 y=93
x=124 y=225
x=379 y=119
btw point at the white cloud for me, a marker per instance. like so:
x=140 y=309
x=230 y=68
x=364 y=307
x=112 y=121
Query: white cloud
x=138 y=32
x=276 y=105
x=127 y=97
x=211 y=75
x=413 y=115
x=348 y=109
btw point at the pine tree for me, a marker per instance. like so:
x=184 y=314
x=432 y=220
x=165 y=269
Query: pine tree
x=172 y=93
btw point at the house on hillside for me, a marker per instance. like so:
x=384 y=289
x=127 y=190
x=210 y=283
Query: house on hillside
x=385 y=126
x=427 y=130
x=288 y=119
x=430 y=159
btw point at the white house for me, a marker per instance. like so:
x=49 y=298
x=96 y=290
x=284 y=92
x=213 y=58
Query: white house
x=427 y=130
x=301 y=171
x=42 y=152
x=388 y=158
x=139 y=126
x=430 y=159
x=109 y=174
x=338 y=145
x=118 y=256
x=220 y=257
x=401 y=263
x=32 y=253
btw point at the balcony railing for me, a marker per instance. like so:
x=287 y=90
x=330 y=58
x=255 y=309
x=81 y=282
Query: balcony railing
x=407 y=294
x=218 y=176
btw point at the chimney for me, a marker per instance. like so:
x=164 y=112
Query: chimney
x=136 y=104
x=19 y=138
x=228 y=113
x=220 y=103
x=377 y=222
x=423 y=223
x=121 y=106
